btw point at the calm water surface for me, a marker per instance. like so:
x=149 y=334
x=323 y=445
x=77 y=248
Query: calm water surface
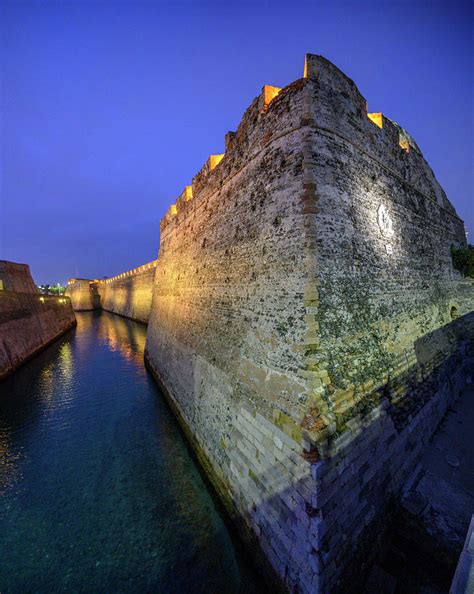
x=98 y=491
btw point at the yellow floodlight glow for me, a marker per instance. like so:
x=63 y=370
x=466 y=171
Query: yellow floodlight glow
x=214 y=160
x=305 y=71
x=269 y=93
x=188 y=193
x=405 y=145
x=376 y=118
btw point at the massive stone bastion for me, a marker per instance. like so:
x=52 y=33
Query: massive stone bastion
x=28 y=321
x=307 y=324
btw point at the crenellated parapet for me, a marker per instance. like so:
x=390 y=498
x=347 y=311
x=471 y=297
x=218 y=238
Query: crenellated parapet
x=255 y=131
x=268 y=118
x=130 y=293
x=144 y=268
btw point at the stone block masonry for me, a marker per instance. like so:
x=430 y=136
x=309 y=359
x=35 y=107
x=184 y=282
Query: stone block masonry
x=129 y=294
x=28 y=321
x=307 y=324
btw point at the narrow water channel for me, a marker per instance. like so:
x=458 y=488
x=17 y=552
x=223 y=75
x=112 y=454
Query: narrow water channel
x=98 y=490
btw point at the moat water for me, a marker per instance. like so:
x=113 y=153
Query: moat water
x=98 y=490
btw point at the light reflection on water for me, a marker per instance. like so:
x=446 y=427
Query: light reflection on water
x=128 y=340
x=98 y=492
x=9 y=460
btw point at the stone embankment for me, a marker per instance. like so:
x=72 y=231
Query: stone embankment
x=28 y=321
x=305 y=323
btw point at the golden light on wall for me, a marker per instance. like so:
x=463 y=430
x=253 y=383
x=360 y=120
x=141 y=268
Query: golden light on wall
x=305 y=70
x=405 y=145
x=188 y=192
x=269 y=93
x=214 y=160
x=310 y=66
x=138 y=270
x=173 y=209
x=376 y=118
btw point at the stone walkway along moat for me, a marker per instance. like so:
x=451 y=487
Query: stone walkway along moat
x=431 y=528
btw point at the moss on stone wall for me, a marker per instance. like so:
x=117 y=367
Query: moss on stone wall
x=463 y=260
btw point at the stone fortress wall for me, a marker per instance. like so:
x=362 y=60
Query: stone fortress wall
x=83 y=294
x=129 y=294
x=16 y=277
x=307 y=324
x=28 y=321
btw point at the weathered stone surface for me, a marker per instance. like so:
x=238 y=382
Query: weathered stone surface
x=301 y=322
x=129 y=293
x=28 y=321
x=16 y=277
x=83 y=294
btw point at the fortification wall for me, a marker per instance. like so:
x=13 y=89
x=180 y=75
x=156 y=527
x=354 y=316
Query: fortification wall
x=307 y=324
x=383 y=235
x=16 y=277
x=28 y=321
x=83 y=293
x=129 y=294
x=226 y=329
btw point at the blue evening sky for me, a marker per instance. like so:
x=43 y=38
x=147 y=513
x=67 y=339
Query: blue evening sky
x=109 y=108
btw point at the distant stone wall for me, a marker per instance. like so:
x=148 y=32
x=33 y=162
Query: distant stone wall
x=28 y=323
x=307 y=323
x=16 y=277
x=130 y=293
x=83 y=294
